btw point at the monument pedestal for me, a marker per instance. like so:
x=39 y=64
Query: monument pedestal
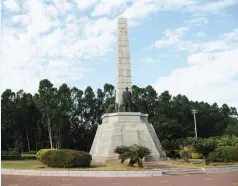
x=125 y=128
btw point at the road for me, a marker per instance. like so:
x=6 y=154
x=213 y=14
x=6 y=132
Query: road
x=218 y=179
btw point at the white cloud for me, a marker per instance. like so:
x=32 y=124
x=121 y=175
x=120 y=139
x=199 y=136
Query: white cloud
x=84 y=4
x=171 y=37
x=148 y=59
x=210 y=7
x=210 y=75
x=200 y=34
x=11 y=5
x=107 y=7
x=22 y=19
x=197 y=21
x=208 y=78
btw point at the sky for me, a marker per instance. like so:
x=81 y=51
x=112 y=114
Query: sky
x=187 y=47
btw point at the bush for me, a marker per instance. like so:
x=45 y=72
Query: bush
x=31 y=152
x=14 y=153
x=40 y=153
x=171 y=146
x=4 y=153
x=81 y=159
x=228 y=141
x=196 y=155
x=225 y=154
x=135 y=153
x=185 y=152
x=8 y=157
x=28 y=156
x=66 y=158
x=120 y=150
x=10 y=149
x=204 y=148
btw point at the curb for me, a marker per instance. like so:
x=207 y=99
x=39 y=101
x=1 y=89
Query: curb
x=153 y=173
x=231 y=168
x=82 y=173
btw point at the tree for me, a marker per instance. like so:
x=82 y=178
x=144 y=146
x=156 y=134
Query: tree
x=47 y=105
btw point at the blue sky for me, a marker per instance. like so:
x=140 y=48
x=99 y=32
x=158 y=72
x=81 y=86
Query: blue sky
x=184 y=46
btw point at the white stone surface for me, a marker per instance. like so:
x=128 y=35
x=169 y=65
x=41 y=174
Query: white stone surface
x=82 y=173
x=124 y=128
x=123 y=66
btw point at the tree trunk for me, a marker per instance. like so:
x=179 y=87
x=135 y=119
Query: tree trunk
x=206 y=160
x=140 y=162
x=50 y=134
x=27 y=137
x=28 y=142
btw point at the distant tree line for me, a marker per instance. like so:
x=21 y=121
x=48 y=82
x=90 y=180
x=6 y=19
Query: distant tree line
x=68 y=117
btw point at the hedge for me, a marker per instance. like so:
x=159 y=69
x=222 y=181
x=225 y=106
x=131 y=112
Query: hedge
x=225 y=154
x=14 y=153
x=40 y=153
x=221 y=141
x=66 y=158
x=8 y=157
x=4 y=153
x=28 y=156
x=31 y=152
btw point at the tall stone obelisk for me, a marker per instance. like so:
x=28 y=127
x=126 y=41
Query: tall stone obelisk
x=124 y=128
x=123 y=65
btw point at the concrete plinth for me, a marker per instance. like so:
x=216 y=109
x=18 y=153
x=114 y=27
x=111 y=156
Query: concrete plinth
x=125 y=128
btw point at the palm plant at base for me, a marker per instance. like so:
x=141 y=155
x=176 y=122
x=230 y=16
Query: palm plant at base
x=134 y=153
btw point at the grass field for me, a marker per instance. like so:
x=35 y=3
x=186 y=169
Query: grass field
x=35 y=164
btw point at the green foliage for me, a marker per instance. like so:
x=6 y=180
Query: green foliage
x=31 y=152
x=196 y=155
x=225 y=154
x=10 y=149
x=135 y=153
x=185 y=152
x=57 y=158
x=66 y=158
x=120 y=150
x=228 y=141
x=10 y=157
x=67 y=117
x=14 y=153
x=171 y=146
x=205 y=147
x=4 y=153
x=41 y=152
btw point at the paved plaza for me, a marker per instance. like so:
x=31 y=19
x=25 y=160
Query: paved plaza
x=217 y=179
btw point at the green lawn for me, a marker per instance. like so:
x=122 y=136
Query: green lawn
x=35 y=164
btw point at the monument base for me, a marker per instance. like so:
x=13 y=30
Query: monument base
x=125 y=128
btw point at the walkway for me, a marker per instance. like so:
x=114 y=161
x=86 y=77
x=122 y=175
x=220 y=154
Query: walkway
x=218 y=179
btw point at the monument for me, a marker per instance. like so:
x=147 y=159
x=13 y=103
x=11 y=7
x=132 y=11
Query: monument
x=124 y=127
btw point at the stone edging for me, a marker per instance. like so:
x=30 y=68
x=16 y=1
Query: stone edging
x=151 y=173
x=230 y=168
x=82 y=173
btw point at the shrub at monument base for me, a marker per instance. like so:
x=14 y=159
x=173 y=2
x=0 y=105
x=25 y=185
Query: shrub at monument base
x=171 y=146
x=66 y=158
x=225 y=154
x=134 y=153
x=40 y=153
x=120 y=150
